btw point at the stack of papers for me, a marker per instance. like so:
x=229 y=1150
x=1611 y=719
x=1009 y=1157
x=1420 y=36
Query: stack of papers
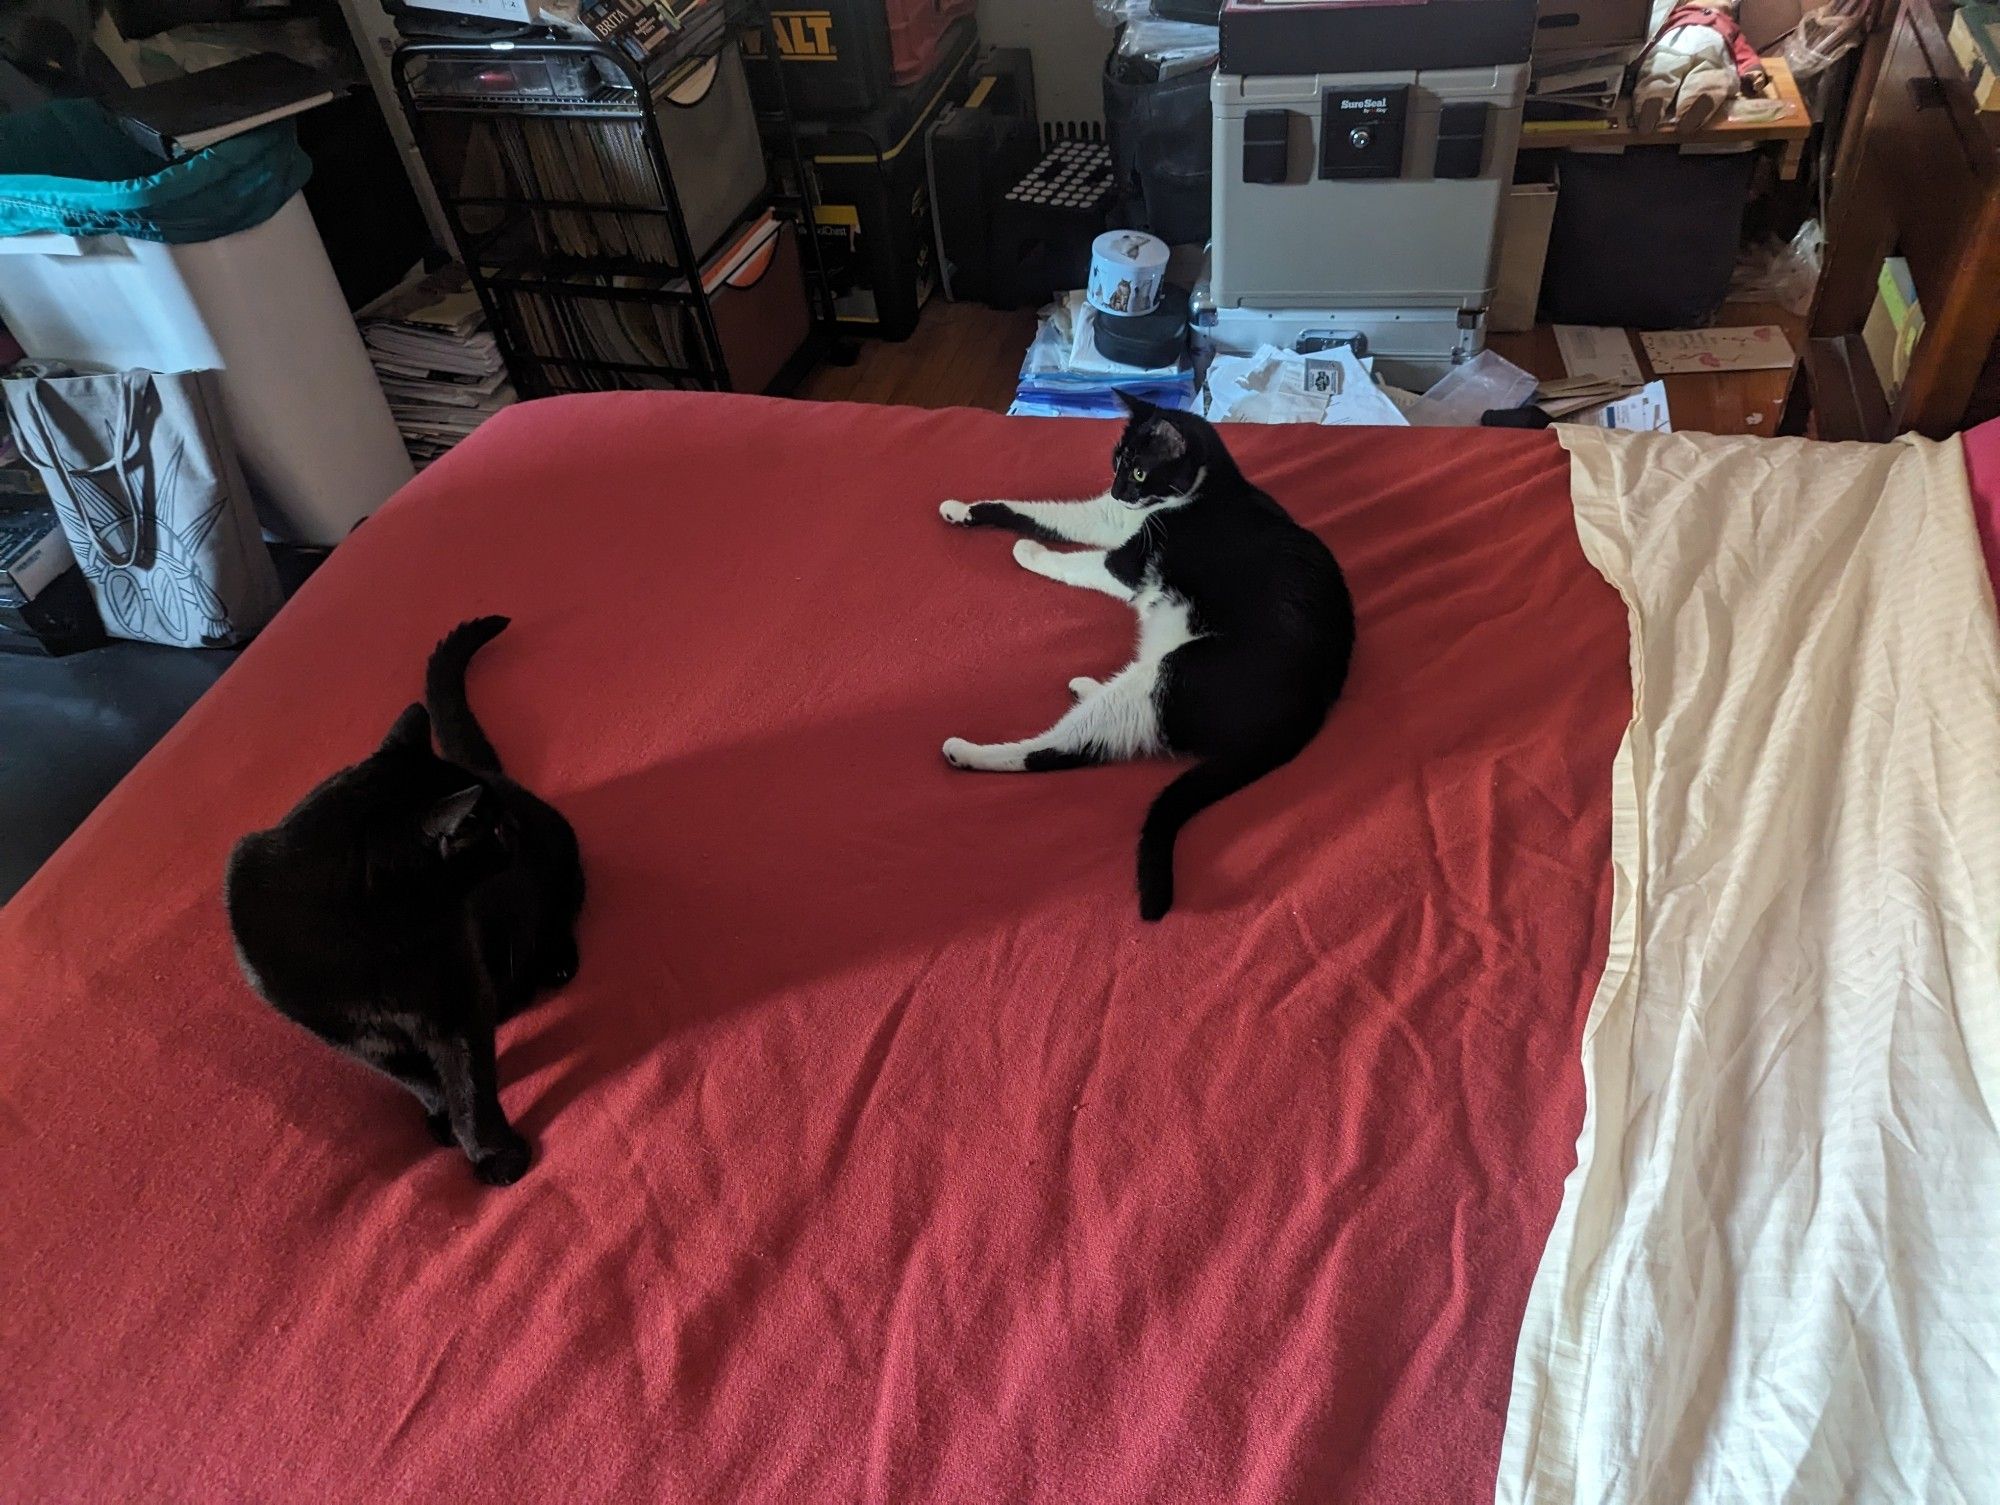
x=1577 y=85
x=1561 y=399
x=1606 y=387
x=1064 y=376
x=438 y=364
x=1333 y=387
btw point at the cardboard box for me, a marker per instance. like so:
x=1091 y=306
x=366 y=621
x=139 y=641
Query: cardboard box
x=1526 y=216
x=1569 y=27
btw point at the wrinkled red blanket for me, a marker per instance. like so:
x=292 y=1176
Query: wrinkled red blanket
x=882 y=1153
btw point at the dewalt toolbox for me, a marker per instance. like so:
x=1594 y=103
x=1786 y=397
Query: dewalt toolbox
x=842 y=57
x=874 y=212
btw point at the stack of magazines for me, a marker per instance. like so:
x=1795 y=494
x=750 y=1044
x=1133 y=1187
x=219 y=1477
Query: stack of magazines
x=438 y=363
x=596 y=161
x=582 y=335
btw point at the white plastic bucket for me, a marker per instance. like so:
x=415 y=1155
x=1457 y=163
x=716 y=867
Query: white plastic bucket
x=261 y=307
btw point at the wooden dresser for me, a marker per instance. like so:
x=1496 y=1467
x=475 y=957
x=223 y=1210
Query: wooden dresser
x=1917 y=175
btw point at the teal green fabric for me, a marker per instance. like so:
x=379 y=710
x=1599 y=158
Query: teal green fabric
x=69 y=168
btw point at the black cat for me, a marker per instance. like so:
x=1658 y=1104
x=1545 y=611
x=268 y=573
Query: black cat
x=411 y=902
x=1245 y=626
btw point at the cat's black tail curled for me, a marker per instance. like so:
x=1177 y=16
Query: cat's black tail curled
x=1179 y=803
x=458 y=733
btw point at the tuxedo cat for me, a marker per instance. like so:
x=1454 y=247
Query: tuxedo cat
x=1245 y=626
x=411 y=902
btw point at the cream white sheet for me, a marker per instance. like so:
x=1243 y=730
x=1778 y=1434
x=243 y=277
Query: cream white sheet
x=1776 y=1270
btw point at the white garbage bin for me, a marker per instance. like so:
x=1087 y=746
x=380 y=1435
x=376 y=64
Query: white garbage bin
x=262 y=307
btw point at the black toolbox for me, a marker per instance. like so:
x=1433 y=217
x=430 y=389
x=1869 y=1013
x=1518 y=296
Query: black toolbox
x=835 y=55
x=874 y=211
x=973 y=154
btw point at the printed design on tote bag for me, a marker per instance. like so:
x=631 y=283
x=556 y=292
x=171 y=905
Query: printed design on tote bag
x=143 y=565
x=141 y=543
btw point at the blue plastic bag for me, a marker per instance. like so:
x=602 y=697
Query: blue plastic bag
x=68 y=169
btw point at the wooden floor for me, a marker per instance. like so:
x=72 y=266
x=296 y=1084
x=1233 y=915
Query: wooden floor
x=966 y=355
x=963 y=355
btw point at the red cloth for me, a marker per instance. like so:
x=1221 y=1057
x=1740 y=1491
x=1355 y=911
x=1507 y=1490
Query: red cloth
x=917 y=31
x=882 y=1153
x=1982 y=468
x=1749 y=66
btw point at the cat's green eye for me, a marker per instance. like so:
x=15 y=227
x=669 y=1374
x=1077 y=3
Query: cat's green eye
x=1138 y=475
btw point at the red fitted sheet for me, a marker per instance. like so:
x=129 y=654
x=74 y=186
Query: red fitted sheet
x=883 y=1153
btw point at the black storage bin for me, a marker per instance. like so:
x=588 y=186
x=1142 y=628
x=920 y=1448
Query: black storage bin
x=974 y=154
x=1645 y=238
x=836 y=57
x=874 y=214
x=1159 y=130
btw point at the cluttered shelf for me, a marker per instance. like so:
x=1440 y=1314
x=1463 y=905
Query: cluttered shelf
x=584 y=178
x=1779 y=114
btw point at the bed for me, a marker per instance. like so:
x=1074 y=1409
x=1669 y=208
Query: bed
x=881 y=1153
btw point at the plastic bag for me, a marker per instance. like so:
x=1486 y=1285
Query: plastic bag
x=1782 y=272
x=1822 y=39
x=1173 y=47
x=68 y=169
x=1472 y=389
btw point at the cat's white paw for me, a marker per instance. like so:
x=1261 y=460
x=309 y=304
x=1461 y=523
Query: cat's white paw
x=1028 y=553
x=1083 y=686
x=958 y=514
x=958 y=752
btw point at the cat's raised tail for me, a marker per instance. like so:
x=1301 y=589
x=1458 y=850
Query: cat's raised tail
x=1186 y=797
x=458 y=733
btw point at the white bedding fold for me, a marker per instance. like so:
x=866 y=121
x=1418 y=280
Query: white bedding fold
x=1775 y=1274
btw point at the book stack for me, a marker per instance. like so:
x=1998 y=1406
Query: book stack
x=1895 y=324
x=439 y=365
x=1975 y=42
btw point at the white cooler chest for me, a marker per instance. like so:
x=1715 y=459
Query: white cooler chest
x=1363 y=203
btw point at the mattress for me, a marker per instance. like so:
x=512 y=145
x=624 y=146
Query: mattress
x=883 y=1154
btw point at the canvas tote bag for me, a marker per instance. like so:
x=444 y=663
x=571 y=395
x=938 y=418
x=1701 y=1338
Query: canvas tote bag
x=144 y=476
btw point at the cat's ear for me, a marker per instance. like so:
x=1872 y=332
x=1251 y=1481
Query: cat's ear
x=1152 y=425
x=412 y=729
x=1172 y=442
x=442 y=820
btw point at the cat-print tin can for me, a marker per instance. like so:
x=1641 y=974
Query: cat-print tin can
x=1126 y=269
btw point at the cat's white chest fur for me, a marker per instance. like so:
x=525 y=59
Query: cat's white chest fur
x=1165 y=622
x=1127 y=719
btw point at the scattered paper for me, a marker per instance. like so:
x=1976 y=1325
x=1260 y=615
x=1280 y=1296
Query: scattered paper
x=1760 y=347
x=1559 y=399
x=1588 y=350
x=1645 y=411
x=1280 y=386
